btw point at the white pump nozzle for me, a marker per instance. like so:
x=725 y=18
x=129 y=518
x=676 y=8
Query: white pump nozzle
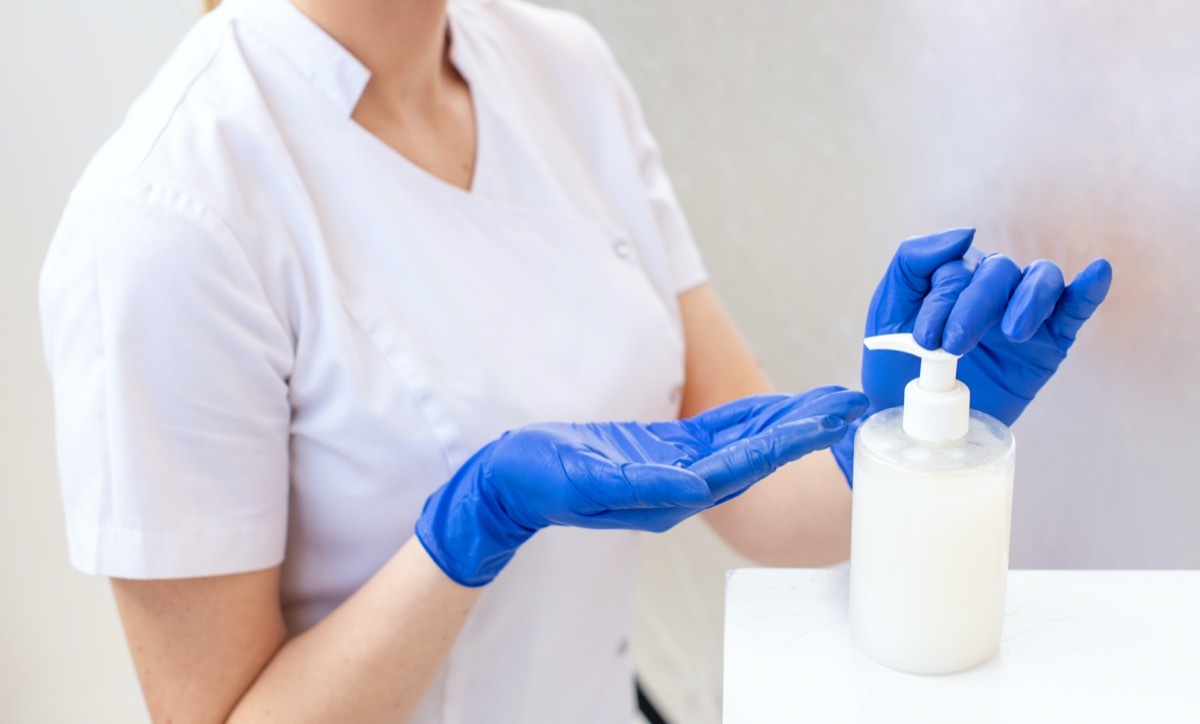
x=938 y=367
x=937 y=407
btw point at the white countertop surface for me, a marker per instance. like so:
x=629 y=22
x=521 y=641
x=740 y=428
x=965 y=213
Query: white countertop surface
x=1079 y=646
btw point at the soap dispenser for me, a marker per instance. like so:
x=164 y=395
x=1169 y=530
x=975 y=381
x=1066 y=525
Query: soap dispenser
x=932 y=513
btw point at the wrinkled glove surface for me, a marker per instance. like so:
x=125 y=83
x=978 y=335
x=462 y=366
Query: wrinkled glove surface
x=619 y=475
x=1013 y=326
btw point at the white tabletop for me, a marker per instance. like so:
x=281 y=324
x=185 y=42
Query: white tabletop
x=1079 y=646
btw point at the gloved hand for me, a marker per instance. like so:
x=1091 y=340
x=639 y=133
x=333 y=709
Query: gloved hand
x=618 y=475
x=1012 y=327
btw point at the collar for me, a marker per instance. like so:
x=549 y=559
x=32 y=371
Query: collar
x=331 y=69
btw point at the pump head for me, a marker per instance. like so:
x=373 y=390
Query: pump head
x=937 y=407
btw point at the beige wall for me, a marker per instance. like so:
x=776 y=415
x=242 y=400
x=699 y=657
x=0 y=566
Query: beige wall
x=805 y=139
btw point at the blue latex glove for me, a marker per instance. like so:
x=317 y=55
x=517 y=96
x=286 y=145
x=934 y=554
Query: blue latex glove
x=619 y=475
x=1012 y=326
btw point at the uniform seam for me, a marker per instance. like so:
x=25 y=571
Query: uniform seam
x=103 y=421
x=252 y=25
x=204 y=219
x=183 y=96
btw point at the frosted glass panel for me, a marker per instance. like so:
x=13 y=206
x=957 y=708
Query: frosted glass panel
x=807 y=139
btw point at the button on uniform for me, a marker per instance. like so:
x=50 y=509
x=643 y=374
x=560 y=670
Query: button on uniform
x=622 y=249
x=676 y=394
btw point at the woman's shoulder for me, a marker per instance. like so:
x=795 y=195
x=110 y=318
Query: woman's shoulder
x=163 y=201
x=182 y=131
x=526 y=16
x=561 y=43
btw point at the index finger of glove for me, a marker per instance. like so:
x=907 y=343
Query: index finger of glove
x=909 y=278
x=734 y=468
x=736 y=412
x=948 y=282
x=837 y=401
x=696 y=433
x=827 y=400
x=982 y=304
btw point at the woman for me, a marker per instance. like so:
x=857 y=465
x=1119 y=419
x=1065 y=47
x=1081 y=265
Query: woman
x=336 y=250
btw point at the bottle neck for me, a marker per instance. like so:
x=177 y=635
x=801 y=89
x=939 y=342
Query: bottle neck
x=936 y=417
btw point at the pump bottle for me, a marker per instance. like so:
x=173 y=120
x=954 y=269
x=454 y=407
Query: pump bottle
x=930 y=530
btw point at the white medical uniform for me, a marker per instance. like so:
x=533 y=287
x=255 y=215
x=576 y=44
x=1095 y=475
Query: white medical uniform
x=271 y=336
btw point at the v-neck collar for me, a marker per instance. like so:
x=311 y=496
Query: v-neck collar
x=331 y=69
x=337 y=75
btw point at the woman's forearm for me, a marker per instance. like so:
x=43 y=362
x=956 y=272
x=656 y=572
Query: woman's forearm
x=799 y=516
x=372 y=658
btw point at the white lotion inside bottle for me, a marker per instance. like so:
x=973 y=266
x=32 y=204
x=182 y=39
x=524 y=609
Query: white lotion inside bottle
x=931 y=521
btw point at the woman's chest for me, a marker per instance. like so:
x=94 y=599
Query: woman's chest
x=465 y=317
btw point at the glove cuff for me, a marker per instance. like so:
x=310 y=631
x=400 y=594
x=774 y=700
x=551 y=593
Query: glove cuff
x=467 y=532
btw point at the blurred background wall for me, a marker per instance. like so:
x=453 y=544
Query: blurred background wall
x=806 y=140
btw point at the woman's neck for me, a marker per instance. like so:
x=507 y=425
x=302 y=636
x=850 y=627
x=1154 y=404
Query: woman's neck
x=402 y=43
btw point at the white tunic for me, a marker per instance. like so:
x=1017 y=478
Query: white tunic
x=271 y=336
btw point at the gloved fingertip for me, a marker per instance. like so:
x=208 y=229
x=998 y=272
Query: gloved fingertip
x=1047 y=272
x=1020 y=330
x=1101 y=266
x=699 y=499
x=959 y=240
x=948 y=237
x=1097 y=278
x=951 y=242
x=960 y=234
x=919 y=257
x=1010 y=325
x=832 y=422
x=923 y=325
x=954 y=340
x=695 y=492
x=859 y=406
x=799 y=437
x=924 y=335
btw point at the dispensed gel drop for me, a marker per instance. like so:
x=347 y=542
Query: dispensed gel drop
x=933 y=485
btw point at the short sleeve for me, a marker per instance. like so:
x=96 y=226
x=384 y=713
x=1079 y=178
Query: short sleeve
x=683 y=256
x=169 y=369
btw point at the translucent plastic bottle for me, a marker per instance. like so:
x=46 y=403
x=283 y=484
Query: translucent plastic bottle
x=932 y=515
